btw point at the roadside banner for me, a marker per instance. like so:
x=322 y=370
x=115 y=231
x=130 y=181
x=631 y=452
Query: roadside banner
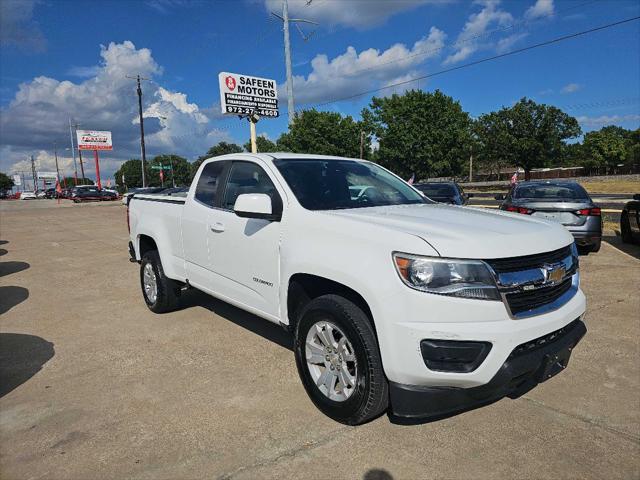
x=94 y=140
x=17 y=181
x=245 y=95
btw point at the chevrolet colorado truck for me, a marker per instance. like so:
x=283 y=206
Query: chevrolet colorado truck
x=396 y=303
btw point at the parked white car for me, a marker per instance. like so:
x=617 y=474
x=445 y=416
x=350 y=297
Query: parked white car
x=28 y=196
x=395 y=303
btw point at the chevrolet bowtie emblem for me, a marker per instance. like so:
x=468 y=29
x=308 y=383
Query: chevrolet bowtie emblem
x=553 y=273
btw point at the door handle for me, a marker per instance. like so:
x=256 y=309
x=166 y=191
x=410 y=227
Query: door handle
x=217 y=227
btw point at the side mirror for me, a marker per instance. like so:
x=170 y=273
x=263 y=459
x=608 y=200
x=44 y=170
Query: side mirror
x=636 y=196
x=255 y=205
x=499 y=196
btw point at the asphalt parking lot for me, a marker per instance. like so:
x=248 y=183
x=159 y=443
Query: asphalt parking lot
x=94 y=385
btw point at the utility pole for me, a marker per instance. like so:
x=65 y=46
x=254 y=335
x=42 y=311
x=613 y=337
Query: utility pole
x=73 y=152
x=361 y=144
x=33 y=173
x=287 y=53
x=287 y=60
x=471 y=165
x=55 y=153
x=137 y=78
x=75 y=126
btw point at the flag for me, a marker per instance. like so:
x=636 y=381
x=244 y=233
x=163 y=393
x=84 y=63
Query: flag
x=514 y=178
x=108 y=183
x=412 y=179
x=162 y=175
x=58 y=186
x=123 y=182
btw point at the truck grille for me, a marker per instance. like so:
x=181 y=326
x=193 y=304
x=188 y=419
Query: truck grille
x=520 y=302
x=529 y=292
x=514 y=264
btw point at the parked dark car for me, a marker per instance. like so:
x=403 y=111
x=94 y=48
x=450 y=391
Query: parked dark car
x=92 y=194
x=630 y=221
x=444 y=192
x=563 y=202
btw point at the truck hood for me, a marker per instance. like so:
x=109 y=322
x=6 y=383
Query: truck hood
x=467 y=232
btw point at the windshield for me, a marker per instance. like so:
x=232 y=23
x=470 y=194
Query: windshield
x=338 y=184
x=437 y=190
x=567 y=192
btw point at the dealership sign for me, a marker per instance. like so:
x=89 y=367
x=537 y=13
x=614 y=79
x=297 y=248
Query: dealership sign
x=244 y=95
x=17 y=181
x=94 y=140
x=47 y=175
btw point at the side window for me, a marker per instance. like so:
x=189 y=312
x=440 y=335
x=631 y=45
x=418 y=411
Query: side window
x=247 y=177
x=208 y=183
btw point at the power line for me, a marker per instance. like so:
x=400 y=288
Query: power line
x=482 y=60
x=471 y=39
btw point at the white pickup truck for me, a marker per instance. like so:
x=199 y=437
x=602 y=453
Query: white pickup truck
x=396 y=304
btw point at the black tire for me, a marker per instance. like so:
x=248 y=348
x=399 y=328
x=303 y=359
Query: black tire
x=596 y=246
x=371 y=395
x=167 y=296
x=625 y=228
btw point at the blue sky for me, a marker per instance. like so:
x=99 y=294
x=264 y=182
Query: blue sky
x=62 y=59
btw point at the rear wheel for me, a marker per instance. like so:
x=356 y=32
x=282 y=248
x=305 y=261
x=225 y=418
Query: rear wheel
x=159 y=292
x=339 y=360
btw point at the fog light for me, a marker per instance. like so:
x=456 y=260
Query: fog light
x=453 y=355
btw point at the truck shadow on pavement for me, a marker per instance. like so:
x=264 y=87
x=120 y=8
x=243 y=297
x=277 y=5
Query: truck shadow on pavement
x=7 y=268
x=12 y=296
x=21 y=357
x=616 y=241
x=246 y=320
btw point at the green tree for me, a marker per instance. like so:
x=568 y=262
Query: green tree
x=324 y=133
x=426 y=133
x=264 y=145
x=181 y=170
x=132 y=171
x=221 y=148
x=605 y=147
x=492 y=149
x=538 y=133
x=6 y=183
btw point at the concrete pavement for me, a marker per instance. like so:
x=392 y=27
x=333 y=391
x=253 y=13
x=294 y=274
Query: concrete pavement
x=94 y=385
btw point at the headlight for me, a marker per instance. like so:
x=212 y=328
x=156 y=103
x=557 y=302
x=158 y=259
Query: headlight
x=444 y=276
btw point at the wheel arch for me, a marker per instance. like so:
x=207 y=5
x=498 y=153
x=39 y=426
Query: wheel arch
x=304 y=287
x=146 y=243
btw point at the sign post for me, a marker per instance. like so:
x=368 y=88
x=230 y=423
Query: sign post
x=95 y=140
x=248 y=97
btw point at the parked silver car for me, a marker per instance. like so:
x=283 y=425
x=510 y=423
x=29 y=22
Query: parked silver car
x=563 y=202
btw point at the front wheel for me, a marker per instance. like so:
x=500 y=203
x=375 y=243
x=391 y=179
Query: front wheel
x=339 y=360
x=625 y=228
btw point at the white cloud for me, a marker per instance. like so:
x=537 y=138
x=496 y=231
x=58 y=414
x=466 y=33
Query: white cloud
x=505 y=44
x=84 y=72
x=468 y=41
x=17 y=27
x=352 y=72
x=571 y=88
x=39 y=112
x=358 y=14
x=607 y=120
x=542 y=8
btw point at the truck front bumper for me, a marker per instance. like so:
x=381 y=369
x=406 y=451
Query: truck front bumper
x=528 y=364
